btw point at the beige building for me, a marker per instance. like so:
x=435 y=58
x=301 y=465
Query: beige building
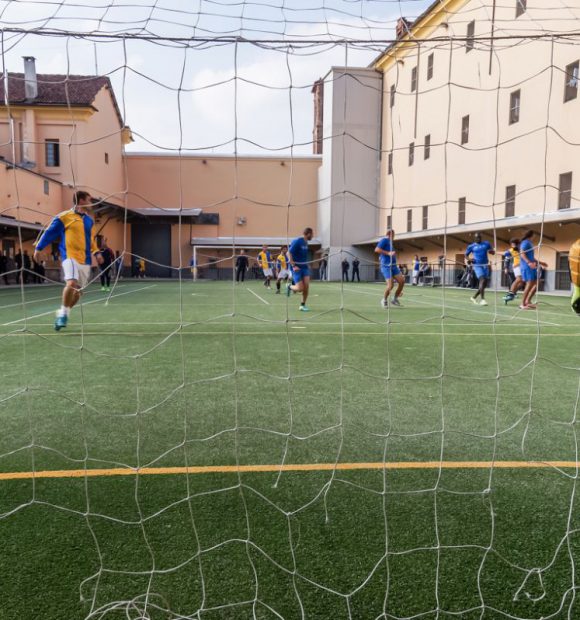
x=480 y=130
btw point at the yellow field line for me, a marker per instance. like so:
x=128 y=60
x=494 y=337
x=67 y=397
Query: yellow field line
x=233 y=469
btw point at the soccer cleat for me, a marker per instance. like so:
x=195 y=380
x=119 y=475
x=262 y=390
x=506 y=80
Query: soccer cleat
x=508 y=297
x=60 y=322
x=304 y=309
x=384 y=303
x=395 y=302
x=474 y=300
x=483 y=302
x=288 y=290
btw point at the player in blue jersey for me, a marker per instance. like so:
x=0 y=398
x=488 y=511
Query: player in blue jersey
x=480 y=249
x=298 y=258
x=529 y=266
x=389 y=268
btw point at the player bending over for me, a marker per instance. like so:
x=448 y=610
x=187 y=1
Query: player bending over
x=514 y=256
x=282 y=264
x=574 y=260
x=265 y=260
x=298 y=257
x=389 y=268
x=74 y=231
x=480 y=249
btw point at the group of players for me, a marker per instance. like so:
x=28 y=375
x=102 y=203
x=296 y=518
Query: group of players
x=73 y=230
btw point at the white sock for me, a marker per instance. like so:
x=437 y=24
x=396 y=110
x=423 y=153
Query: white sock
x=64 y=311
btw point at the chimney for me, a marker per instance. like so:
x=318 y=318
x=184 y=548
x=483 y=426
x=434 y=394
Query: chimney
x=318 y=92
x=30 y=81
x=403 y=25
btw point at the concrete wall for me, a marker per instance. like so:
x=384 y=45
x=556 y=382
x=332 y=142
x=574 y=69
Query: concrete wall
x=349 y=177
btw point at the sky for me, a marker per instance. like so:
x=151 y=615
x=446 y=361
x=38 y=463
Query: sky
x=207 y=95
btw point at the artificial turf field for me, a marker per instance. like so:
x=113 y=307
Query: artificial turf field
x=223 y=378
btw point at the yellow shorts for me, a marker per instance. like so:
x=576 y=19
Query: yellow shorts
x=574 y=259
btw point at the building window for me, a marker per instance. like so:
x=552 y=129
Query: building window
x=413 y=79
x=430 y=60
x=515 y=107
x=461 y=211
x=465 y=129
x=427 y=152
x=106 y=158
x=389 y=222
x=565 y=193
x=563 y=280
x=510 y=200
x=521 y=6
x=571 y=89
x=46 y=187
x=409 y=220
x=392 y=100
x=390 y=164
x=52 y=153
x=425 y=218
x=411 y=153
x=470 y=42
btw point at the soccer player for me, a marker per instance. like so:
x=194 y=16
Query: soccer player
x=282 y=264
x=74 y=230
x=513 y=254
x=574 y=260
x=389 y=268
x=265 y=260
x=480 y=249
x=298 y=257
x=529 y=266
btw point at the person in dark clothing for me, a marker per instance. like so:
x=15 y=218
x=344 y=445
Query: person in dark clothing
x=18 y=263
x=39 y=271
x=323 y=267
x=4 y=266
x=355 y=272
x=27 y=264
x=106 y=266
x=241 y=266
x=345 y=268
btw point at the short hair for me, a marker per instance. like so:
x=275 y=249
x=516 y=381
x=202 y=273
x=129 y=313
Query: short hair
x=80 y=195
x=515 y=240
x=308 y=231
x=390 y=231
x=529 y=233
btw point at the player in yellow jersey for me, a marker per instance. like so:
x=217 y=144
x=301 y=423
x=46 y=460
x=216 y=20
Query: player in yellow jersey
x=74 y=231
x=282 y=265
x=265 y=262
x=513 y=255
x=574 y=260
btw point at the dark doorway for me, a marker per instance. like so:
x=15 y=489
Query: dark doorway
x=153 y=242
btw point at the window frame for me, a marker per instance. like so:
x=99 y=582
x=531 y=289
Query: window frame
x=470 y=37
x=427 y=147
x=514 y=114
x=52 y=153
x=414 y=79
x=392 y=92
x=465 y=129
x=411 y=154
x=430 y=64
x=390 y=163
x=425 y=218
x=510 y=200
x=571 y=74
x=409 y=220
x=521 y=7
x=565 y=194
x=461 y=210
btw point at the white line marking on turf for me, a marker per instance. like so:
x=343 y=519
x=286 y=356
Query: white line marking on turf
x=258 y=296
x=37 y=301
x=94 y=301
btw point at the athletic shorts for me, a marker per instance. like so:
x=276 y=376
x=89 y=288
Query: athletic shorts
x=518 y=272
x=529 y=275
x=298 y=276
x=481 y=271
x=390 y=271
x=71 y=270
x=284 y=273
x=267 y=273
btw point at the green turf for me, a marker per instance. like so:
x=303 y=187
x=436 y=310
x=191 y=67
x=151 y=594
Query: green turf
x=211 y=374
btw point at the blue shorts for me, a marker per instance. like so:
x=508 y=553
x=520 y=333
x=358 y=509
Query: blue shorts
x=529 y=275
x=390 y=271
x=481 y=271
x=298 y=276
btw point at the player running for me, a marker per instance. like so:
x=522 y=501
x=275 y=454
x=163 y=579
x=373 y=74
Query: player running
x=265 y=261
x=282 y=264
x=298 y=257
x=74 y=231
x=574 y=260
x=529 y=270
x=389 y=268
x=480 y=249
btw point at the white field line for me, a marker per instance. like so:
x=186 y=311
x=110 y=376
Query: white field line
x=94 y=301
x=258 y=296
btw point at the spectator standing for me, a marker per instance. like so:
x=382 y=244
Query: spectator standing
x=345 y=268
x=355 y=267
